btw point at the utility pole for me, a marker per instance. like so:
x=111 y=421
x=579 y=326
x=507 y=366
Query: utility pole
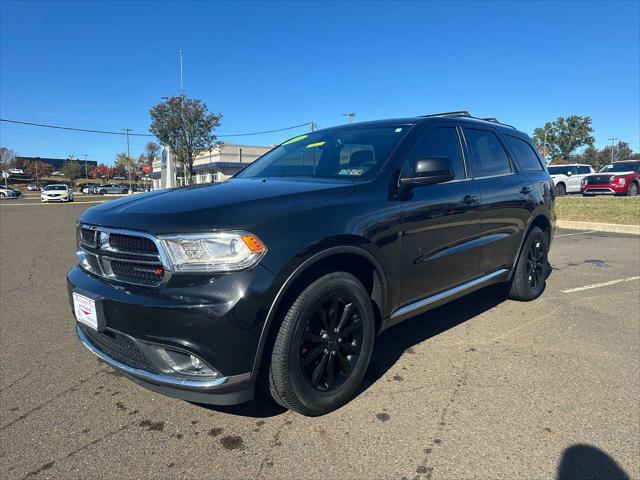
x=129 y=159
x=612 y=140
x=181 y=84
x=86 y=172
x=349 y=115
x=545 y=146
x=313 y=126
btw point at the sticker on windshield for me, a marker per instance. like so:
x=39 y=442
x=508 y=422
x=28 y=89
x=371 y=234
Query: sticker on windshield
x=295 y=139
x=317 y=144
x=398 y=130
x=352 y=172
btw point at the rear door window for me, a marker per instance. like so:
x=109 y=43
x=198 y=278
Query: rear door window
x=486 y=154
x=525 y=155
x=583 y=169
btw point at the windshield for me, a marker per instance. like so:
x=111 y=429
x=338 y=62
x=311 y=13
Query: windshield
x=621 y=167
x=56 y=187
x=350 y=152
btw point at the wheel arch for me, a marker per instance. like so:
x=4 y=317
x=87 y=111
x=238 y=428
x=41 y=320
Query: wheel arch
x=348 y=258
x=540 y=220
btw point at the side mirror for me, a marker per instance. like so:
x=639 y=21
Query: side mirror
x=569 y=173
x=429 y=171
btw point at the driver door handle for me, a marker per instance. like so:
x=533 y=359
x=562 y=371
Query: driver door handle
x=469 y=200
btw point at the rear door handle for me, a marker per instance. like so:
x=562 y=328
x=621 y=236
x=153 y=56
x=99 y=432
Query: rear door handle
x=525 y=190
x=469 y=199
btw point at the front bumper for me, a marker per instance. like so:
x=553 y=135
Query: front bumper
x=219 y=321
x=48 y=198
x=604 y=189
x=220 y=391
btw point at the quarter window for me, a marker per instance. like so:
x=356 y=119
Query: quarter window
x=582 y=169
x=440 y=142
x=486 y=153
x=525 y=155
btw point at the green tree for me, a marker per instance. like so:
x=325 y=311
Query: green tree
x=564 y=136
x=71 y=170
x=623 y=151
x=187 y=127
x=124 y=163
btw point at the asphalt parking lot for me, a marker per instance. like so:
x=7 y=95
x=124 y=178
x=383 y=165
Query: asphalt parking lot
x=481 y=388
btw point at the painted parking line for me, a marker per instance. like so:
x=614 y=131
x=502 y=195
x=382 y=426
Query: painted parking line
x=598 y=285
x=55 y=203
x=570 y=234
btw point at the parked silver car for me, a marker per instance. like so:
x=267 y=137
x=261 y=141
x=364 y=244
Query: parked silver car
x=8 y=192
x=110 y=188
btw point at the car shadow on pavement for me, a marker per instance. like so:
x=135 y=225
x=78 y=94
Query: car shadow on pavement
x=393 y=343
x=588 y=462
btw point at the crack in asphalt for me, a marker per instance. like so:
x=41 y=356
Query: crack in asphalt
x=51 y=400
x=276 y=443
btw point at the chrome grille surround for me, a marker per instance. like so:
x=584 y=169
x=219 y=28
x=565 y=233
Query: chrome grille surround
x=98 y=255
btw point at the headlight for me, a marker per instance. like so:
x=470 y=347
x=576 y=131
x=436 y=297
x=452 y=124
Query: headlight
x=213 y=252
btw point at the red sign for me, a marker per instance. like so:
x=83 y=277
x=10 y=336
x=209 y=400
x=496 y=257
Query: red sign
x=146 y=168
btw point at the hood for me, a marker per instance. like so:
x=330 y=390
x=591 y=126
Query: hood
x=234 y=204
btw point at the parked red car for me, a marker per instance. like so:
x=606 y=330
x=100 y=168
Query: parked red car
x=617 y=178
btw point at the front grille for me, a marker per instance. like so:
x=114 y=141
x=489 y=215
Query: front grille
x=598 y=180
x=145 y=274
x=126 y=257
x=88 y=236
x=132 y=244
x=119 y=347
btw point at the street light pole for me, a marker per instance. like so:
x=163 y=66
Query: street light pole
x=349 y=115
x=86 y=172
x=128 y=160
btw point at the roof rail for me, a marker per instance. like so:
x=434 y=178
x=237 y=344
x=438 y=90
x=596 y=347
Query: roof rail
x=459 y=113
x=464 y=113
x=495 y=120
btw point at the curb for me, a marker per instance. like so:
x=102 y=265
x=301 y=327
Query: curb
x=599 y=227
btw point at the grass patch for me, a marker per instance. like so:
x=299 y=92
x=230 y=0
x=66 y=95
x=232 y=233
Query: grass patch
x=620 y=210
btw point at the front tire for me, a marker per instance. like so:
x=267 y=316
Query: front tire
x=633 y=190
x=102 y=192
x=530 y=277
x=323 y=347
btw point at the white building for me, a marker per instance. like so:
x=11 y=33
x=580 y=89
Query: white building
x=208 y=167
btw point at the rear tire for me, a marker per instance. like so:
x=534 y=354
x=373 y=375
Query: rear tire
x=561 y=190
x=532 y=269
x=323 y=347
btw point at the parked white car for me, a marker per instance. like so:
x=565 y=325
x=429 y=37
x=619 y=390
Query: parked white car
x=16 y=171
x=567 y=178
x=57 y=192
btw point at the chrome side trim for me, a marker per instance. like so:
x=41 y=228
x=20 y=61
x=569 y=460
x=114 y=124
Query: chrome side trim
x=447 y=293
x=164 y=380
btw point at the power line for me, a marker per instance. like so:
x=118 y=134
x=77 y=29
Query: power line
x=107 y=132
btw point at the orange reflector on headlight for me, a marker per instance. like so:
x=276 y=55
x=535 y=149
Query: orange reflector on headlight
x=253 y=243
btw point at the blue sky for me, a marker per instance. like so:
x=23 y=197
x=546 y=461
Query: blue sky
x=266 y=65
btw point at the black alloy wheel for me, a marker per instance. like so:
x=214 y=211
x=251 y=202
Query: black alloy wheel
x=535 y=264
x=331 y=343
x=532 y=268
x=323 y=346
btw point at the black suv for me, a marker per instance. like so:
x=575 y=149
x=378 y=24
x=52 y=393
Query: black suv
x=284 y=275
